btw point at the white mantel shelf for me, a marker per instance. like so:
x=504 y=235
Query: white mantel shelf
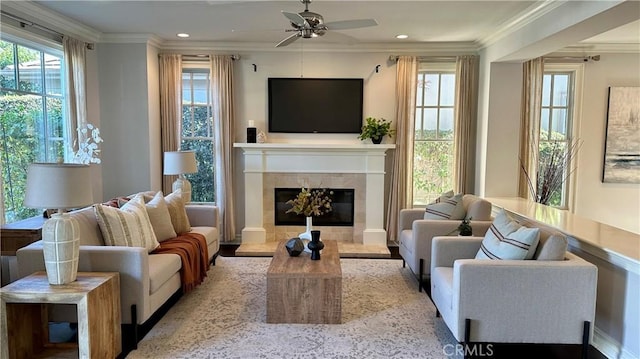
x=319 y=159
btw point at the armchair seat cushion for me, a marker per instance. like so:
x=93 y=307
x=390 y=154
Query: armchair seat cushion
x=442 y=288
x=161 y=268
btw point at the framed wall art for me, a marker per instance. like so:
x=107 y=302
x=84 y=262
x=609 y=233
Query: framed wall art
x=622 y=141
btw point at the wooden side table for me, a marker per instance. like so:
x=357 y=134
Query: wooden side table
x=23 y=312
x=19 y=234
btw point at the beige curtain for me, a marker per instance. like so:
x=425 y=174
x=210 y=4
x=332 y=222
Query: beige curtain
x=75 y=73
x=224 y=117
x=401 y=193
x=532 y=76
x=465 y=117
x=170 y=108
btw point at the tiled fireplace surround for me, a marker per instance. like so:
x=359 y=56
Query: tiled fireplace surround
x=282 y=165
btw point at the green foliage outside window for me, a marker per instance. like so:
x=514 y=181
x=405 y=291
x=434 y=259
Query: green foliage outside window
x=432 y=170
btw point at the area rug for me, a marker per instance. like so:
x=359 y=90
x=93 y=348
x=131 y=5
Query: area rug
x=383 y=316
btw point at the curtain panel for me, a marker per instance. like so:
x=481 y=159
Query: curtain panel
x=75 y=58
x=222 y=83
x=466 y=100
x=170 y=109
x=532 y=77
x=401 y=193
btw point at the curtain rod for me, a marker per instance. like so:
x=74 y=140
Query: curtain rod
x=24 y=23
x=571 y=58
x=393 y=58
x=205 y=57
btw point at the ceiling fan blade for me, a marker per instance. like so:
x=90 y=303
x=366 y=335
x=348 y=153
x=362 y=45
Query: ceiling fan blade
x=289 y=39
x=295 y=18
x=350 y=24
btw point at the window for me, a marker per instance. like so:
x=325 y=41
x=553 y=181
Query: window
x=32 y=124
x=556 y=127
x=433 y=143
x=197 y=131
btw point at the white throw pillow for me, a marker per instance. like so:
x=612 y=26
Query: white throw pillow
x=445 y=208
x=178 y=212
x=127 y=226
x=506 y=239
x=160 y=218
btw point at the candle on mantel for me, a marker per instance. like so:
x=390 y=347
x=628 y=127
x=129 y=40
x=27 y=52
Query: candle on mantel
x=252 y=123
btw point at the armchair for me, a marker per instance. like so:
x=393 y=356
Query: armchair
x=415 y=233
x=512 y=301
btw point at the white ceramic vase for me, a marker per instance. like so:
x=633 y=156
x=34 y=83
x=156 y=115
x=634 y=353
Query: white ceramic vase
x=61 y=248
x=307 y=233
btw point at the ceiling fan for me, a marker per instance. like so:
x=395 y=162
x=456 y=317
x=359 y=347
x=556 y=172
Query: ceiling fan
x=309 y=24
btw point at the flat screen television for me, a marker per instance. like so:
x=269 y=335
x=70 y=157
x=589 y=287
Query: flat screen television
x=315 y=105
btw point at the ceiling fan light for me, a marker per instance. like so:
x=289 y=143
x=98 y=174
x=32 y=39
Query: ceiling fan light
x=402 y=36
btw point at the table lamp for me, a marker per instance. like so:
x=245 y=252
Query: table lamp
x=61 y=186
x=179 y=163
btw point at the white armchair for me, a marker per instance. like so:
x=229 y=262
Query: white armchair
x=415 y=233
x=512 y=301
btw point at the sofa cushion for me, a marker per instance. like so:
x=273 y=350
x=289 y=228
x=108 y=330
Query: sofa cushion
x=178 y=212
x=477 y=209
x=210 y=234
x=442 y=286
x=89 y=230
x=127 y=226
x=506 y=239
x=552 y=248
x=160 y=218
x=161 y=268
x=446 y=208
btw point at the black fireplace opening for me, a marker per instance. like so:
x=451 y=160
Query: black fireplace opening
x=342 y=206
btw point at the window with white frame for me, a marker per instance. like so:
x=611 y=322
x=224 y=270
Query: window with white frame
x=197 y=131
x=32 y=121
x=557 y=145
x=434 y=126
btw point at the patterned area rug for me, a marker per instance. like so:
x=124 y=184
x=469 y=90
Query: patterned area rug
x=383 y=315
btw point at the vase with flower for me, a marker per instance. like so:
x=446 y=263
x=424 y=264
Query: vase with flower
x=310 y=203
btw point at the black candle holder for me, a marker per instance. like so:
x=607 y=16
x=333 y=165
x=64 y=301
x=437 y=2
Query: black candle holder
x=315 y=245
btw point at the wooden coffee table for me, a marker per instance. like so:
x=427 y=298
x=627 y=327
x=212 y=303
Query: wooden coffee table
x=300 y=290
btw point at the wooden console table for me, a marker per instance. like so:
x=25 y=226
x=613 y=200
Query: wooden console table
x=300 y=290
x=16 y=235
x=24 y=327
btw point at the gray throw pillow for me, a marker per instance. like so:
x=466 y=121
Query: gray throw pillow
x=552 y=248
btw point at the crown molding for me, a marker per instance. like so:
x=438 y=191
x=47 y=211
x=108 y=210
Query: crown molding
x=519 y=21
x=45 y=17
x=149 y=39
x=610 y=48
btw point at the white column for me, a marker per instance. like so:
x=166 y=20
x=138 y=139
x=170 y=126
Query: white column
x=254 y=231
x=374 y=232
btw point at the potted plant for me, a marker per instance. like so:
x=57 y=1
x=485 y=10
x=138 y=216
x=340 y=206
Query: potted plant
x=375 y=129
x=464 y=229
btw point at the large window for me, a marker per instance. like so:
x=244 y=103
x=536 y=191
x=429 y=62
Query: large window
x=556 y=143
x=433 y=147
x=197 y=131
x=32 y=124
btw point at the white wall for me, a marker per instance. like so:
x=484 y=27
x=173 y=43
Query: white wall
x=93 y=116
x=155 y=140
x=612 y=203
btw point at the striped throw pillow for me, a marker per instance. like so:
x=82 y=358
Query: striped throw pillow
x=506 y=239
x=178 y=212
x=128 y=226
x=445 y=208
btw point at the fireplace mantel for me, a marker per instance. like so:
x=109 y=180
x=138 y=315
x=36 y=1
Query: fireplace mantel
x=319 y=159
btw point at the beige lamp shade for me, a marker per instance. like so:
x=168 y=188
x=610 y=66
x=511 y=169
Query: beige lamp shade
x=180 y=162
x=58 y=185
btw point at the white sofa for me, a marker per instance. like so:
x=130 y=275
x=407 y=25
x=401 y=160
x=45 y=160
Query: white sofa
x=415 y=233
x=147 y=281
x=512 y=301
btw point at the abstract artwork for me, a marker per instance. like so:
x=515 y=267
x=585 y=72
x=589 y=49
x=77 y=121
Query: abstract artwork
x=622 y=144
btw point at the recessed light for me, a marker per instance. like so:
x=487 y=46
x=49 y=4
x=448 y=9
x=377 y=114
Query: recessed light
x=182 y=34
x=402 y=36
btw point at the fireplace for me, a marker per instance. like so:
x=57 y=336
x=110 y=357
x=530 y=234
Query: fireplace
x=342 y=208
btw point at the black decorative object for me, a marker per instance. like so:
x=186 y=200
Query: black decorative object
x=315 y=245
x=294 y=246
x=252 y=134
x=464 y=229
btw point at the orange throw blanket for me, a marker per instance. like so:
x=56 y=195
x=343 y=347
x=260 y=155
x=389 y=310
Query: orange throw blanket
x=192 y=249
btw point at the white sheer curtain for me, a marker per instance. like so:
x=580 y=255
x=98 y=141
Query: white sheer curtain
x=75 y=58
x=224 y=117
x=170 y=108
x=532 y=77
x=401 y=187
x=465 y=117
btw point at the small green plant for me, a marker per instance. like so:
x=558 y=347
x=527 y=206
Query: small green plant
x=375 y=129
x=464 y=229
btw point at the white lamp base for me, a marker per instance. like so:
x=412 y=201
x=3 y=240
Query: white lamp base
x=61 y=248
x=183 y=184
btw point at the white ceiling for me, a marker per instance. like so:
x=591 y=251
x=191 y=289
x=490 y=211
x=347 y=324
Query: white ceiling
x=240 y=21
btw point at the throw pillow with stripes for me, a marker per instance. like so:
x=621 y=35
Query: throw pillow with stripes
x=506 y=239
x=445 y=208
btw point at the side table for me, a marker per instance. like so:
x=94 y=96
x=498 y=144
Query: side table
x=23 y=312
x=19 y=234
